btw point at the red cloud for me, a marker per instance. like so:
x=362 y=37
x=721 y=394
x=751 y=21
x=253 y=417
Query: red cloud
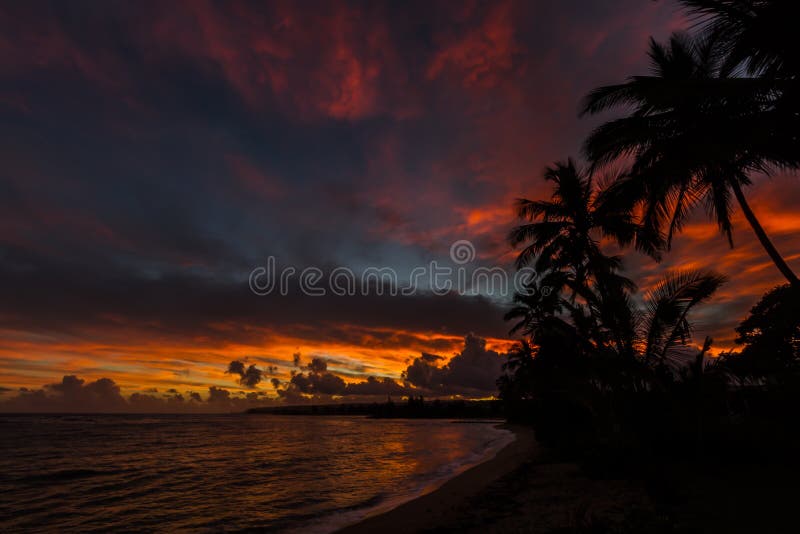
x=336 y=61
x=482 y=55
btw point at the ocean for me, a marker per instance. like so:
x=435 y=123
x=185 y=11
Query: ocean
x=214 y=473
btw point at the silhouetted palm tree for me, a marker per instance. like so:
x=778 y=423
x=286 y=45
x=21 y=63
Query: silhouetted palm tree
x=540 y=301
x=695 y=136
x=563 y=233
x=757 y=38
x=756 y=35
x=665 y=328
x=634 y=348
x=660 y=333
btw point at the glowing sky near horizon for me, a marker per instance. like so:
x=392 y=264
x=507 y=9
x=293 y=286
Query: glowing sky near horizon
x=154 y=153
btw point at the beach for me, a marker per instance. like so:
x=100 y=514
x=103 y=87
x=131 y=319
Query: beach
x=523 y=488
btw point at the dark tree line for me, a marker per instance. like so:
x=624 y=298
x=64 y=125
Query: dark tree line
x=603 y=364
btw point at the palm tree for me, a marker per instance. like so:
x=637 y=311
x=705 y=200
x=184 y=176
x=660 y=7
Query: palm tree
x=539 y=302
x=599 y=319
x=756 y=35
x=563 y=355
x=665 y=329
x=695 y=136
x=562 y=238
x=563 y=234
x=757 y=38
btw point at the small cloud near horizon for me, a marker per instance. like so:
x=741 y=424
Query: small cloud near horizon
x=472 y=372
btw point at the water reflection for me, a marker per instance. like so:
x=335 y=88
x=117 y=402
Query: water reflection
x=210 y=472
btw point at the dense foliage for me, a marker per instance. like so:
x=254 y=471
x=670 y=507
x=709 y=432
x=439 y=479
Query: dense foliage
x=603 y=367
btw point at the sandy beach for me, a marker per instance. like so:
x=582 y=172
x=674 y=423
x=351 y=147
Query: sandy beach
x=521 y=489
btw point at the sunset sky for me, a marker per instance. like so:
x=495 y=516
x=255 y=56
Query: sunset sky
x=155 y=153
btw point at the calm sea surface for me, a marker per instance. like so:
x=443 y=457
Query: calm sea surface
x=223 y=472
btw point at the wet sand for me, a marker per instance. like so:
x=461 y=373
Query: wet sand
x=521 y=489
x=435 y=508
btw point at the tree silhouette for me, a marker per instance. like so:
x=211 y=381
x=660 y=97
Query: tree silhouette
x=770 y=336
x=695 y=136
x=540 y=301
x=665 y=326
x=563 y=234
x=562 y=238
x=757 y=36
x=630 y=349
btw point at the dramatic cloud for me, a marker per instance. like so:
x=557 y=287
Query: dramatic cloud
x=474 y=370
x=319 y=383
x=75 y=395
x=155 y=153
x=249 y=376
x=471 y=372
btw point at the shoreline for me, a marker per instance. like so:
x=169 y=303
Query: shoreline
x=437 y=507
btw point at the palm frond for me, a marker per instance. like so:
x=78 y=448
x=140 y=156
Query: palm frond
x=665 y=325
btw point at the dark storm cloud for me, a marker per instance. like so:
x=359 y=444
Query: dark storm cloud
x=76 y=395
x=474 y=370
x=321 y=385
x=249 y=376
x=218 y=396
x=72 y=394
x=374 y=386
x=190 y=136
x=39 y=295
x=204 y=140
x=318 y=365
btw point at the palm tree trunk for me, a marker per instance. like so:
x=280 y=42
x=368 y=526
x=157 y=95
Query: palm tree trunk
x=780 y=263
